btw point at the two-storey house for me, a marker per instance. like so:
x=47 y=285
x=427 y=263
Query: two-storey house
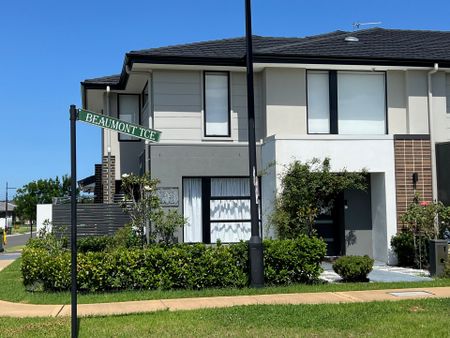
x=376 y=99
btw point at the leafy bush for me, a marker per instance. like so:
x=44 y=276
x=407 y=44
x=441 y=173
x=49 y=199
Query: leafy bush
x=293 y=261
x=408 y=254
x=353 y=268
x=308 y=189
x=180 y=266
x=94 y=243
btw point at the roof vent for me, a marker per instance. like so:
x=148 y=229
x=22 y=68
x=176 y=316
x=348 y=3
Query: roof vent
x=351 y=39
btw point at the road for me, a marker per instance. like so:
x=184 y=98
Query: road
x=14 y=240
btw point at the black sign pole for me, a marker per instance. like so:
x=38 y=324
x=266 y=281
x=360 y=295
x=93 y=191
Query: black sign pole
x=255 y=244
x=73 y=212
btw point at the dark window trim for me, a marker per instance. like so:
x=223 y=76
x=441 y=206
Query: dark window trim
x=425 y=137
x=206 y=209
x=206 y=205
x=225 y=198
x=228 y=102
x=230 y=220
x=118 y=115
x=333 y=100
x=333 y=97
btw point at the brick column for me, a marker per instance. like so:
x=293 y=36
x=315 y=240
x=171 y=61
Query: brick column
x=111 y=185
x=98 y=191
x=412 y=155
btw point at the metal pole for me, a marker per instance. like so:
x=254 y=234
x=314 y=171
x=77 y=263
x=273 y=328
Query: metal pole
x=73 y=198
x=108 y=146
x=147 y=170
x=255 y=244
x=6 y=207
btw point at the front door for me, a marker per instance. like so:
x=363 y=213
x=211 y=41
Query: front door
x=330 y=227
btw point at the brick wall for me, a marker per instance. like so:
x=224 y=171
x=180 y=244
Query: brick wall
x=108 y=186
x=98 y=191
x=412 y=155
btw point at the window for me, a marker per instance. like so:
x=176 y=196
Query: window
x=346 y=102
x=216 y=209
x=129 y=111
x=318 y=103
x=216 y=104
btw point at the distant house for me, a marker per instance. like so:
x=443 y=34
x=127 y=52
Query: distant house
x=7 y=218
x=377 y=99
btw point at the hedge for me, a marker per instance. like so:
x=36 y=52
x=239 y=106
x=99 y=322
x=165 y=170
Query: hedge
x=181 y=266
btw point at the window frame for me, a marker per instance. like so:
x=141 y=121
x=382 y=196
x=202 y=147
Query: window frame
x=333 y=100
x=206 y=200
x=228 y=135
x=134 y=139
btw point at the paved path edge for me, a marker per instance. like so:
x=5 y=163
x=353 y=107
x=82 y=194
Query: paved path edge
x=9 y=309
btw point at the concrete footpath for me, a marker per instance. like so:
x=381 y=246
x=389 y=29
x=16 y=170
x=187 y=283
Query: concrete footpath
x=8 y=309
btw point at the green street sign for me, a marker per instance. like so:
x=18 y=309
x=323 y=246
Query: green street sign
x=123 y=127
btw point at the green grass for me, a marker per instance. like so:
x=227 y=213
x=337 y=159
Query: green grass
x=406 y=318
x=16 y=248
x=12 y=289
x=22 y=229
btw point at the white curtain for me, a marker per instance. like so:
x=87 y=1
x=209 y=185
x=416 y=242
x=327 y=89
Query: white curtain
x=361 y=103
x=318 y=102
x=230 y=232
x=230 y=209
x=192 y=207
x=216 y=104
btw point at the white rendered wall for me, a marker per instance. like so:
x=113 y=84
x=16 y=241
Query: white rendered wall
x=43 y=216
x=3 y=222
x=375 y=154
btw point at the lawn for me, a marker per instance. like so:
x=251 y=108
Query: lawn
x=406 y=318
x=12 y=289
x=23 y=229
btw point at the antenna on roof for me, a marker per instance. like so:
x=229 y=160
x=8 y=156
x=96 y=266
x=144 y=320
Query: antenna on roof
x=357 y=25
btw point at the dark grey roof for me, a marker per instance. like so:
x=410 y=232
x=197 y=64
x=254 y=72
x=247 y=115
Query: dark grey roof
x=374 y=43
x=375 y=46
x=232 y=48
x=105 y=80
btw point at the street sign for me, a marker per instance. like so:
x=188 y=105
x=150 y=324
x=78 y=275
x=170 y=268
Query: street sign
x=123 y=127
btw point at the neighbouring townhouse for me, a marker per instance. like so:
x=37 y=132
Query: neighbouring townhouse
x=377 y=99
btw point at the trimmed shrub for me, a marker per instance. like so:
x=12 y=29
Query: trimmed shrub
x=353 y=268
x=407 y=255
x=293 y=261
x=94 y=243
x=181 y=266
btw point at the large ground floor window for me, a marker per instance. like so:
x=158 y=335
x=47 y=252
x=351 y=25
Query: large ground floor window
x=216 y=208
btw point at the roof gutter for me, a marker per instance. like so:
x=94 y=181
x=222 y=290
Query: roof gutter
x=432 y=142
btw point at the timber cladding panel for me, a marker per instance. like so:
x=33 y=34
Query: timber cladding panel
x=94 y=219
x=412 y=155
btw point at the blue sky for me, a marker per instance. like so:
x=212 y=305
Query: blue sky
x=48 y=47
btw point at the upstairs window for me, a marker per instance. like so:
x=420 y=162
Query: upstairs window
x=129 y=111
x=217 y=104
x=346 y=102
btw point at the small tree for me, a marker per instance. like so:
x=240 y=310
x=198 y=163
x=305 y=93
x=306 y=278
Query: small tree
x=307 y=189
x=425 y=221
x=140 y=201
x=143 y=205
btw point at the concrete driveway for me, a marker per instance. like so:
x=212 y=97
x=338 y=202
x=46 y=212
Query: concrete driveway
x=382 y=273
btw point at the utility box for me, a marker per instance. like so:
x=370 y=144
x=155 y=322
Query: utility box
x=438 y=256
